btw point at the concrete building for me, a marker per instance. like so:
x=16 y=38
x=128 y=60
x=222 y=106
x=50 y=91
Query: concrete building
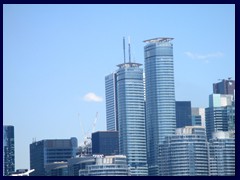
x=185 y=153
x=160 y=96
x=198 y=116
x=224 y=87
x=49 y=151
x=8 y=150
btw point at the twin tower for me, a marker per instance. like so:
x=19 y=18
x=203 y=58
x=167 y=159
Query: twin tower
x=141 y=106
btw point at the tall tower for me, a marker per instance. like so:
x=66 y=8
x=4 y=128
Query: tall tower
x=160 y=96
x=8 y=150
x=111 y=102
x=131 y=116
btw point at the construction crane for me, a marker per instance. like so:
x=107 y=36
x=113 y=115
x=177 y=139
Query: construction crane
x=87 y=141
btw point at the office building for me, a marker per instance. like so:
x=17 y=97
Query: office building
x=224 y=87
x=220 y=114
x=131 y=116
x=160 y=96
x=185 y=153
x=105 y=142
x=50 y=151
x=106 y=166
x=79 y=163
x=56 y=169
x=222 y=154
x=198 y=116
x=183 y=114
x=8 y=150
x=126 y=90
x=111 y=102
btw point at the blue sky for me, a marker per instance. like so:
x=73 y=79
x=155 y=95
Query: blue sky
x=55 y=58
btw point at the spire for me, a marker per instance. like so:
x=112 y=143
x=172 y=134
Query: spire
x=129 y=49
x=124 y=50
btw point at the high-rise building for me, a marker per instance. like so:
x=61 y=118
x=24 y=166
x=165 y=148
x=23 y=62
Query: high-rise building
x=126 y=111
x=185 y=153
x=8 y=150
x=224 y=87
x=106 y=166
x=198 y=116
x=49 y=151
x=183 y=114
x=222 y=154
x=220 y=114
x=111 y=102
x=131 y=117
x=160 y=96
x=105 y=142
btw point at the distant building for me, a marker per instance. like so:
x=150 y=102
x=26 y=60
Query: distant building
x=77 y=163
x=220 y=115
x=185 y=153
x=224 y=87
x=198 y=116
x=160 y=96
x=105 y=142
x=50 y=151
x=8 y=150
x=222 y=154
x=56 y=169
x=107 y=166
x=183 y=114
x=111 y=102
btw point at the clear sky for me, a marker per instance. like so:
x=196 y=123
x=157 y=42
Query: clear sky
x=55 y=58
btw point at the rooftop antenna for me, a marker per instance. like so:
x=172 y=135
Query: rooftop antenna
x=129 y=49
x=124 y=50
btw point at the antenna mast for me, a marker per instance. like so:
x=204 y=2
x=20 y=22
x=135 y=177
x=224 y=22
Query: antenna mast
x=124 y=50
x=129 y=49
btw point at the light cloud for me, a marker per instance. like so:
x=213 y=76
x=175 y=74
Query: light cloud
x=92 y=97
x=204 y=56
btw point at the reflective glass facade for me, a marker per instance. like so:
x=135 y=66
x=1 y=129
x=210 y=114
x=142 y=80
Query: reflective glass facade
x=160 y=97
x=49 y=151
x=131 y=117
x=111 y=102
x=8 y=150
x=183 y=114
x=222 y=155
x=184 y=154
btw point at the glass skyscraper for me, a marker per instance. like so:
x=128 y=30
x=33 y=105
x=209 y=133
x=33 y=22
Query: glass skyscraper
x=131 y=117
x=220 y=115
x=8 y=150
x=111 y=102
x=160 y=96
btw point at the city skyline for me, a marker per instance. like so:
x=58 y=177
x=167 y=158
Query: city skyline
x=62 y=54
